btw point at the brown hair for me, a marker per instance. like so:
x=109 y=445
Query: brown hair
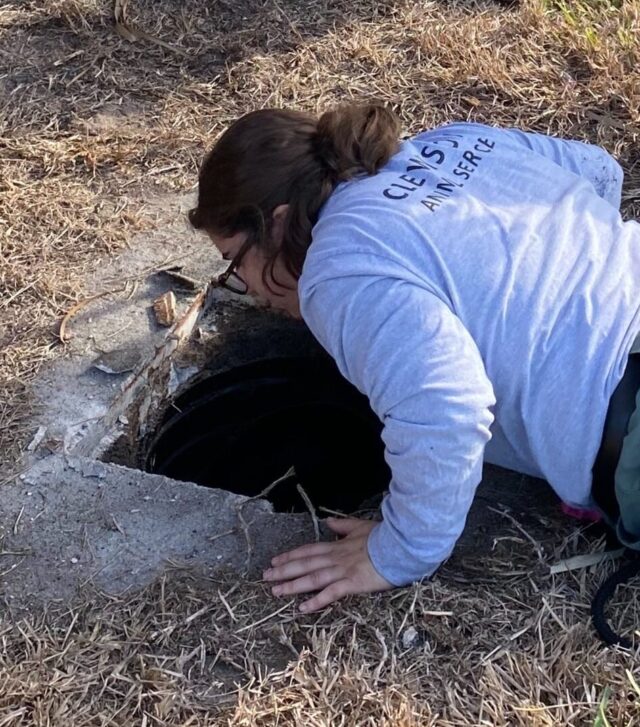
x=273 y=157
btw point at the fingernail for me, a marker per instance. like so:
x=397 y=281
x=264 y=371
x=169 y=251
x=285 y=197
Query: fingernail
x=267 y=573
x=276 y=590
x=303 y=607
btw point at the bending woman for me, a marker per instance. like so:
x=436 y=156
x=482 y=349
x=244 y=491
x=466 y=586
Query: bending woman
x=477 y=284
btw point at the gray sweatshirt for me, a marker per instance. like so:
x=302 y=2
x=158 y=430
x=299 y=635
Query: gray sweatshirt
x=483 y=291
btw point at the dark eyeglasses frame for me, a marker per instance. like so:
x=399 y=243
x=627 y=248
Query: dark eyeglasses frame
x=230 y=280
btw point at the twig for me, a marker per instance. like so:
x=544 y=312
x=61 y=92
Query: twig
x=117 y=525
x=183 y=280
x=108 y=564
x=578 y=562
x=293 y=28
x=12 y=477
x=115 y=333
x=227 y=606
x=266 y=618
x=168 y=263
x=17 y=522
x=243 y=523
x=75 y=309
x=13 y=567
x=312 y=512
x=499 y=650
x=553 y=615
x=5 y=303
x=536 y=545
x=212 y=538
x=70 y=629
x=385 y=655
x=197 y=614
x=131 y=33
x=335 y=513
x=289 y=473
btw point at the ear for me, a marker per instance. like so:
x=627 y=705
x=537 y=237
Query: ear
x=280 y=212
x=278 y=217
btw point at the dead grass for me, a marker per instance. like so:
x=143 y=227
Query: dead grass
x=511 y=648
x=92 y=125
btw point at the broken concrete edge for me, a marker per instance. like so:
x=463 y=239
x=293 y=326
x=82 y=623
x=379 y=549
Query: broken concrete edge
x=101 y=435
x=70 y=523
x=73 y=391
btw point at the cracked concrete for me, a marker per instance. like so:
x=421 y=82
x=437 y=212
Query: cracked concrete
x=73 y=522
x=70 y=522
x=72 y=393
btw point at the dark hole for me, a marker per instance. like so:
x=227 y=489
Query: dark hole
x=243 y=429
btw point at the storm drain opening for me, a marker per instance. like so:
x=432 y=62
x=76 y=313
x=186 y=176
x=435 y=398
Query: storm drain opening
x=242 y=398
x=241 y=429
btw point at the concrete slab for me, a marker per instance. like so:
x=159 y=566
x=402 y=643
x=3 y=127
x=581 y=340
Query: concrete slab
x=70 y=522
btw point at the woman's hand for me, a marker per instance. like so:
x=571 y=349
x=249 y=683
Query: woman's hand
x=334 y=569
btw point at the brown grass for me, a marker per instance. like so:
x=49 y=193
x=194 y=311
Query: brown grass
x=510 y=648
x=93 y=125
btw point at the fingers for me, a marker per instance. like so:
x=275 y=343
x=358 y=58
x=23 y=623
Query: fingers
x=333 y=569
x=341 y=526
x=333 y=592
x=299 y=567
x=304 y=551
x=314 y=581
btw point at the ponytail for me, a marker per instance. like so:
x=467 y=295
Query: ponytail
x=354 y=140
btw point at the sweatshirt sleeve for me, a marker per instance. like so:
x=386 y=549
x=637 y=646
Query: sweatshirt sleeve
x=407 y=351
x=586 y=160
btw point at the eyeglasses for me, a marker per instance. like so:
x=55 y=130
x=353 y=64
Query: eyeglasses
x=230 y=280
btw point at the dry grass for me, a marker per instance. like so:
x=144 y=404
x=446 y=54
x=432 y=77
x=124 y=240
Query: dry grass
x=511 y=648
x=92 y=125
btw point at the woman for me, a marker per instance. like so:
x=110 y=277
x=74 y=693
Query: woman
x=477 y=284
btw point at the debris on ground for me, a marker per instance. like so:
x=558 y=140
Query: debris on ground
x=164 y=309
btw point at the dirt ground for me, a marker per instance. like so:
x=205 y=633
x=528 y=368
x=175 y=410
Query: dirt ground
x=107 y=105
